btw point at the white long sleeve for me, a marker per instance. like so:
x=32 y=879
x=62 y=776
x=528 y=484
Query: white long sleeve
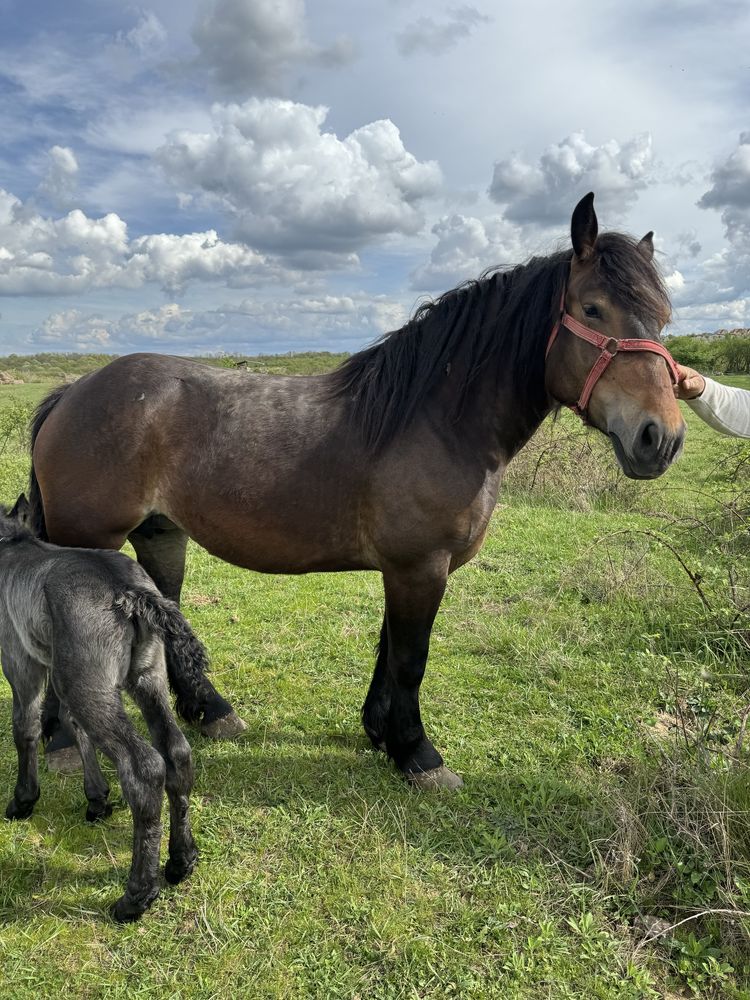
x=724 y=408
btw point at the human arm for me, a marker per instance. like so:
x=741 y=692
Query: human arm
x=722 y=407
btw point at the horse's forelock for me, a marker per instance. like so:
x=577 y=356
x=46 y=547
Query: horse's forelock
x=632 y=278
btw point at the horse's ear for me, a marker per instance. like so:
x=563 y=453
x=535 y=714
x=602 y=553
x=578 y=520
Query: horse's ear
x=583 y=227
x=646 y=246
x=21 y=511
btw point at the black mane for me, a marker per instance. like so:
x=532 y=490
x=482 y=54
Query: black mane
x=502 y=319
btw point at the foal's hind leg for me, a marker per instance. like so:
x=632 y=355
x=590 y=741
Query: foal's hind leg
x=141 y=771
x=149 y=691
x=161 y=546
x=26 y=678
x=412 y=599
x=94 y=783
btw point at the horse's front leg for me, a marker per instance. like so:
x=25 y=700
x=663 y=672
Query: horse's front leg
x=412 y=598
x=378 y=701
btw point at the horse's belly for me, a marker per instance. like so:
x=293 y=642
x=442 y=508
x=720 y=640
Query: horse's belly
x=288 y=545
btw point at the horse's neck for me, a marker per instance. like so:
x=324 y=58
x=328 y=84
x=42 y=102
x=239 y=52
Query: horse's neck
x=499 y=416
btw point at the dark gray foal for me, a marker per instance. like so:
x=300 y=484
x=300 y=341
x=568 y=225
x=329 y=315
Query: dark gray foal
x=94 y=623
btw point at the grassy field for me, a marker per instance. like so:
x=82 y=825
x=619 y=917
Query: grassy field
x=588 y=678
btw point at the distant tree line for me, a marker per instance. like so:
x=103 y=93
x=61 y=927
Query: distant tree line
x=727 y=353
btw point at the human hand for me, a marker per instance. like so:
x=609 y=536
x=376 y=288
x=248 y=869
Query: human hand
x=690 y=385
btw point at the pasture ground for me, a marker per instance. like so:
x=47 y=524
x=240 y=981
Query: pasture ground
x=591 y=689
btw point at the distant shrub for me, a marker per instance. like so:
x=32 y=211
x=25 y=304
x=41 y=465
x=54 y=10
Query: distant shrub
x=723 y=354
x=566 y=465
x=14 y=424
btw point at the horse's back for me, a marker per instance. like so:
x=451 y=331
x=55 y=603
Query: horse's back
x=251 y=466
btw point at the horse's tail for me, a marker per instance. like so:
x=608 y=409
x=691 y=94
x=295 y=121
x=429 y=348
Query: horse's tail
x=43 y=410
x=187 y=660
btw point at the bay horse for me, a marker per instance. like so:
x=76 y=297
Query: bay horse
x=392 y=462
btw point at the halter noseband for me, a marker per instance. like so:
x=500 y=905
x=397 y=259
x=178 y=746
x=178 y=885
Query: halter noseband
x=609 y=347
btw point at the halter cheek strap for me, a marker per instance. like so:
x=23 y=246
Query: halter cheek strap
x=608 y=347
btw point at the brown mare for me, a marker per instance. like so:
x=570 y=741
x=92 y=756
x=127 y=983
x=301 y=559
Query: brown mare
x=392 y=462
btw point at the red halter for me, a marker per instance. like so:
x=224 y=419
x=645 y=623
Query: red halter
x=609 y=347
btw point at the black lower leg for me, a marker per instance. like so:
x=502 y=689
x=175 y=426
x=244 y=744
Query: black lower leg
x=378 y=701
x=94 y=783
x=26 y=734
x=168 y=739
x=412 y=600
x=55 y=733
x=141 y=776
x=183 y=854
x=406 y=740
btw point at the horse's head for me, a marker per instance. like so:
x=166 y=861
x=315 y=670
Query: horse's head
x=604 y=358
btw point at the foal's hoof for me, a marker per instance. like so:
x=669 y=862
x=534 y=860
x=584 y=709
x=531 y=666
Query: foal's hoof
x=96 y=813
x=438 y=777
x=66 y=760
x=225 y=728
x=176 y=870
x=125 y=910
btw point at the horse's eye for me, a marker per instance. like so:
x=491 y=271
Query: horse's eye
x=591 y=311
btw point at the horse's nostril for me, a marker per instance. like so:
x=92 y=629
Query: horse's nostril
x=651 y=437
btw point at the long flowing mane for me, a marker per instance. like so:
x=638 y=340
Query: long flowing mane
x=501 y=319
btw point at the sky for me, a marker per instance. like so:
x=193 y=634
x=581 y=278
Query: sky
x=264 y=176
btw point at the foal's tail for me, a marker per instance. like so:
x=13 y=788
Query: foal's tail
x=159 y=616
x=43 y=410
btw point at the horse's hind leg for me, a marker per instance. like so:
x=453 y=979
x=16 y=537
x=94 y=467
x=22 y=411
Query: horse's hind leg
x=161 y=546
x=26 y=679
x=60 y=749
x=94 y=783
x=149 y=691
x=412 y=599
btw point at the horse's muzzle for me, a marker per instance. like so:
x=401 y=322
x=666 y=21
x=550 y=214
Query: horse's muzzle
x=651 y=450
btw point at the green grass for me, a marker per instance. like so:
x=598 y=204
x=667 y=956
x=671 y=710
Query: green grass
x=564 y=661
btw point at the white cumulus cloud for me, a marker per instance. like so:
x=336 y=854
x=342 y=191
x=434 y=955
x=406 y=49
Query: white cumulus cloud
x=74 y=329
x=44 y=256
x=61 y=177
x=289 y=186
x=435 y=37
x=544 y=192
x=730 y=191
x=465 y=247
x=249 y=45
x=713 y=315
x=251 y=326
x=147 y=35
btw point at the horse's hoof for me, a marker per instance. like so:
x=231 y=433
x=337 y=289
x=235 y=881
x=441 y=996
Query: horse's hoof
x=67 y=760
x=225 y=728
x=438 y=777
x=19 y=810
